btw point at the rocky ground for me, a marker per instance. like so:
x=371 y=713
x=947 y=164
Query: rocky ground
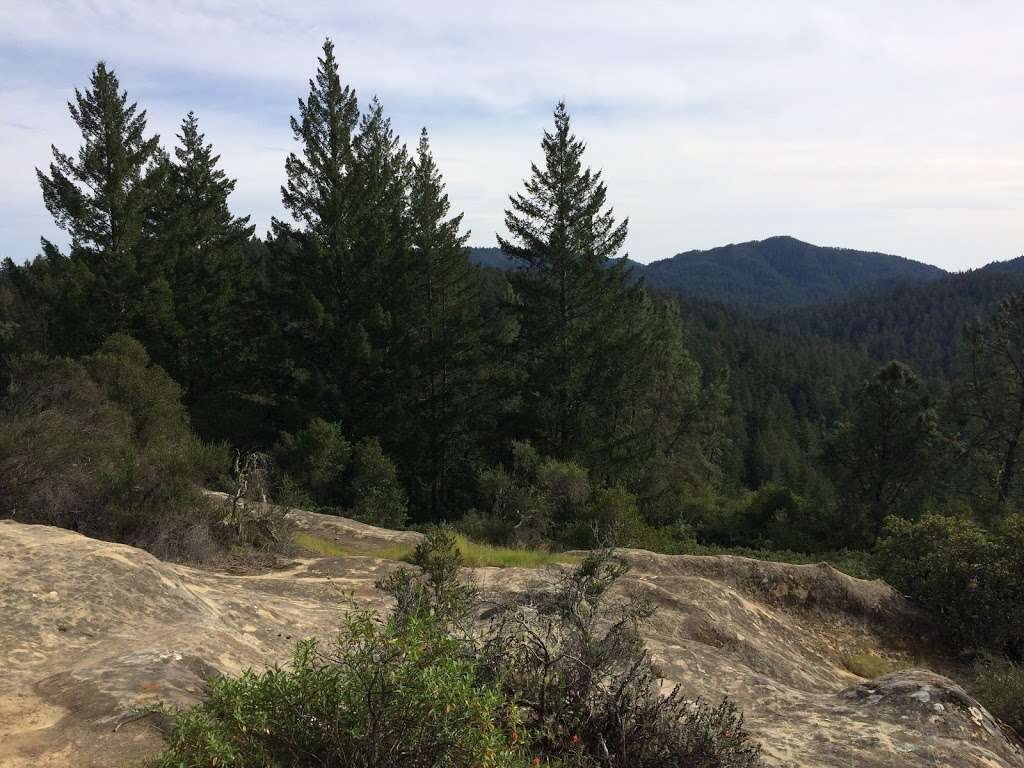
x=91 y=631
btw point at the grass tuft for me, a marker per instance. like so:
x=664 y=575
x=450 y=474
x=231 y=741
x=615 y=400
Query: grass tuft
x=477 y=555
x=869 y=665
x=317 y=545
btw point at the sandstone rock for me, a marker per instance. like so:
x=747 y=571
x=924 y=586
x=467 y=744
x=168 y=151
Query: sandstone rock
x=91 y=631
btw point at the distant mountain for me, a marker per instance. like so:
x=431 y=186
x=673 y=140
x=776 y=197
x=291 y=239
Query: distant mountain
x=494 y=257
x=783 y=272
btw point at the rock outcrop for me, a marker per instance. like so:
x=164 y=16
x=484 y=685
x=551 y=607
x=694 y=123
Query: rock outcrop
x=90 y=632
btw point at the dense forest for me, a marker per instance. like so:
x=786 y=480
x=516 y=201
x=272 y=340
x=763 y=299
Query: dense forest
x=552 y=394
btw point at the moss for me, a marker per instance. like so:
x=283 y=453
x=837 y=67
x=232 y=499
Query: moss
x=316 y=545
x=869 y=665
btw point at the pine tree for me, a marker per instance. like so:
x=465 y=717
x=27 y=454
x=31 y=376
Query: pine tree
x=308 y=287
x=446 y=344
x=379 y=314
x=583 y=336
x=202 y=243
x=989 y=400
x=100 y=196
x=886 y=459
x=315 y=192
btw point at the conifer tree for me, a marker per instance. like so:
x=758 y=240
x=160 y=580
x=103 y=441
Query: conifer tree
x=315 y=191
x=583 y=336
x=379 y=314
x=446 y=343
x=202 y=243
x=100 y=196
x=886 y=459
x=308 y=285
x=989 y=401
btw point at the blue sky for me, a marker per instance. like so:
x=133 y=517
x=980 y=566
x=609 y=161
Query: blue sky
x=885 y=126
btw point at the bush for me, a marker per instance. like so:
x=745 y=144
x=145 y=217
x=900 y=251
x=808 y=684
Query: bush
x=999 y=686
x=970 y=577
x=103 y=446
x=378 y=497
x=611 y=516
x=313 y=463
x=575 y=662
x=387 y=695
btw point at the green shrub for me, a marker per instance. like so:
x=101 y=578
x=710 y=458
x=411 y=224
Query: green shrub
x=610 y=516
x=575 y=662
x=566 y=682
x=378 y=497
x=999 y=686
x=313 y=463
x=971 y=578
x=387 y=695
x=103 y=446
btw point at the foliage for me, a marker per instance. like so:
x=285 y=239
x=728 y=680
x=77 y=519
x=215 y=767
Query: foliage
x=386 y=695
x=989 y=399
x=315 y=460
x=378 y=498
x=969 y=577
x=574 y=661
x=999 y=686
x=103 y=446
x=887 y=457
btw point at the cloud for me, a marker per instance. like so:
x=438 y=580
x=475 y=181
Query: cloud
x=888 y=126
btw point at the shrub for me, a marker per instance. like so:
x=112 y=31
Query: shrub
x=575 y=662
x=387 y=695
x=378 y=497
x=970 y=577
x=569 y=684
x=611 y=516
x=999 y=685
x=103 y=446
x=313 y=463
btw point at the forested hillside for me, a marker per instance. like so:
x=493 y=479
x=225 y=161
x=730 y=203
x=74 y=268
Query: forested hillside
x=782 y=272
x=920 y=323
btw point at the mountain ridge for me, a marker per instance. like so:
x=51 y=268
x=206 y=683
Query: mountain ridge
x=777 y=272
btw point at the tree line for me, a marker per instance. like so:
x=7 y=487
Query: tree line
x=390 y=378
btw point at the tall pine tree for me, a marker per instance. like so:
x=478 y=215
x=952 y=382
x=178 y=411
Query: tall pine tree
x=583 y=324
x=202 y=243
x=101 y=196
x=309 y=281
x=446 y=320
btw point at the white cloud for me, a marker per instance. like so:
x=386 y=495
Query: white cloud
x=894 y=126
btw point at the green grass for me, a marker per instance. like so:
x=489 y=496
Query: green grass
x=474 y=554
x=477 y=555
x=317 y=545
x=869 y=665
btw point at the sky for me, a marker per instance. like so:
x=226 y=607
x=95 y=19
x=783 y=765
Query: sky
x=896 y=127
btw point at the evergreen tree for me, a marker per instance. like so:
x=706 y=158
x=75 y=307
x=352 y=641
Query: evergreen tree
x=886 y=459
x=583 y=335
x=378 y=318
x=202 y=243
x=989 y=399
x=446 y=344
x=308 y=286
x=101 y=196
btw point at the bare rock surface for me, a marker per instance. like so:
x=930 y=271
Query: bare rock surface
x=92 y=631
